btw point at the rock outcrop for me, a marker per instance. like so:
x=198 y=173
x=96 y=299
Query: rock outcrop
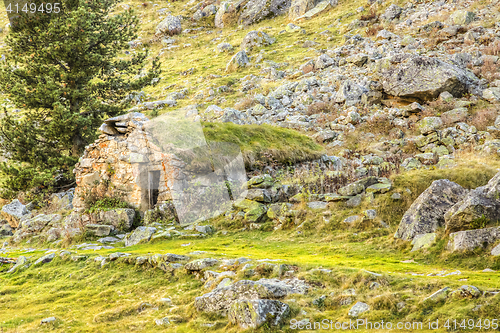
x=425 y=78
x=426 y=213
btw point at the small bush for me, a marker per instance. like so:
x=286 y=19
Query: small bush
x=493 y=48
x=484 y=118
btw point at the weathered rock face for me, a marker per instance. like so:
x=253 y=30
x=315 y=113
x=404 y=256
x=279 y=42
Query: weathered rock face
x=13 y=212
x=240 y=59
x=471 y=239
x=256 y=10
x=121 y=163
x=473 y=206
x=426 y=214
x=483 y=201
x=35 y=225
x=220 y=300
x=171 y=25
x=254 y=313
x=425 y=78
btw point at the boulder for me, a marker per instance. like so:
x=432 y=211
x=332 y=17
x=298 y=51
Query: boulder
x=472 y=207
x=256 y=39
x=430 y=124
x=13 y=212
x=391 y=13
x=62 y=200
x=320 y=8
x=257 y=10
x=350 y=92
x=220 y=300
x=255 y=313
x=358 y=309
x=300 y=7
x=492 y=94
x=426 y=78
x=200 y=264
x=98 y=229
x=439 y=295
x=317 y=205
x=240 y=59
x=455 y=116
x=254 y=211
x=45 y=259
x=5 y=230
x=496 y=251
x=21 y=263
x=472 y=239
x=426 y=214
x=171 y=25
x=261 y=181
x=138 y=235
x=259 y=195
x=462 y=17
x=121 y=218
x=467 y=291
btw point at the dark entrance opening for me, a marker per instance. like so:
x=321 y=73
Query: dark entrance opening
x=154 y=185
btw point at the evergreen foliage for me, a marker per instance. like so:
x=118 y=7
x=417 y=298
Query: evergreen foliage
x=66 y=72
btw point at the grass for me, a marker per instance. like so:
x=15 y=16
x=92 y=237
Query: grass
x=263 y=144
x=87 y=298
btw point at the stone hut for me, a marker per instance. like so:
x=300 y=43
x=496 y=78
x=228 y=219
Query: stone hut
x=124 y=162
x=147 y=163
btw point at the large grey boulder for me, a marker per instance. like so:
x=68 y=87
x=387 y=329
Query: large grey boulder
x=220 y=300
x=13 y=212
x=138 y=235
x=475 y=205
x=425 y=78
x=426 y=214
x=171 y=25
x=257 y=10
x=255 y=313
x=256 y=39
x=484 y=202
x=472 y=239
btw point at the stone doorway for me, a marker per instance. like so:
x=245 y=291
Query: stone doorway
x=153 y=187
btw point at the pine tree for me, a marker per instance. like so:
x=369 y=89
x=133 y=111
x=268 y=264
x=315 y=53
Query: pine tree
x=66 y=71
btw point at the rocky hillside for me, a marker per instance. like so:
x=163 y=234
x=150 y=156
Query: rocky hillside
x=370 y=133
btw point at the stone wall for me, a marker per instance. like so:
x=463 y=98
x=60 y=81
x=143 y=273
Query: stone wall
x=121 y=163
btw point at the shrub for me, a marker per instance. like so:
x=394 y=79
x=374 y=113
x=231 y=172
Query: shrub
x=484 y=118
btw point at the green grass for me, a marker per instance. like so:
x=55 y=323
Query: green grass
x=87 y=298
x=262 y=144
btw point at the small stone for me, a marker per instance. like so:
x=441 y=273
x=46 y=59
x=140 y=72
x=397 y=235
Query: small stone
x=358 y=309
x=48 y=320
x=439 y=295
